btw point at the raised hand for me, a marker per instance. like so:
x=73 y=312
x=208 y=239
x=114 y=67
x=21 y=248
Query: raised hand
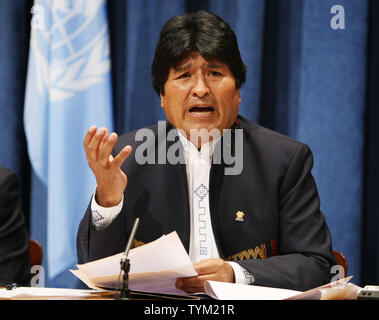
x=111 y=180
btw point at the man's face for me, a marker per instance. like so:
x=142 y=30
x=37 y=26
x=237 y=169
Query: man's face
x=200 y=94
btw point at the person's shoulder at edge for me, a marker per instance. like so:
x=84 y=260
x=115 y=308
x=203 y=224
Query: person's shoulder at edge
x=8 y=179
x=4 y=172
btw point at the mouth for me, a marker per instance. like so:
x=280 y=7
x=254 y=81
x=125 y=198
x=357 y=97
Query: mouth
x=201 y=111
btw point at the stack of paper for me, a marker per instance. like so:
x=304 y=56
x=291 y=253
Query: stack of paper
x=336 y=290
x=154 y=267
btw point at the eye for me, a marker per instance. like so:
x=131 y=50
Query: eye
x=184 y=75
x=214 y=73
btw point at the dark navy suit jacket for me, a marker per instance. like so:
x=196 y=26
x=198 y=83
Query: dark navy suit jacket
x=14 y=240
x=283 y=239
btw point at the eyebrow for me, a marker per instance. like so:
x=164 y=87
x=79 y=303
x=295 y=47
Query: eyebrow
x=189 y=65
x=182 y=68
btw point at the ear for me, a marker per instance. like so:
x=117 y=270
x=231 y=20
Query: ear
x=239 y=97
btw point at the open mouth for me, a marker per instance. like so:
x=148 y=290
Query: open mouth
x=201 y=110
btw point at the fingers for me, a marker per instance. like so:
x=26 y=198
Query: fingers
x=190 y=285
x=205 y=269
x=98 y=145
x=92 y=142
x=106 y=147
x=208 y=266
x=195 y=284
x=210 y=269
x=121 y=157
x=89 y=136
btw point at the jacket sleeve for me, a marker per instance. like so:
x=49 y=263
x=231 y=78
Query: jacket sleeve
x=92 y=244
x=305 y=254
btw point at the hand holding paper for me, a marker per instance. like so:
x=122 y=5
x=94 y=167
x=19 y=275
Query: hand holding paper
x=209 y=269
x=154 y=267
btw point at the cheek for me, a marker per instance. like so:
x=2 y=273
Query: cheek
x=230 y=99
x=177 y=89
x=172 y=103
x=175 y=96
x=227 y=90
x=230 y=106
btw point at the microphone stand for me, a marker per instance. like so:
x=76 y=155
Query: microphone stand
x=125 y=265
x=125 y=293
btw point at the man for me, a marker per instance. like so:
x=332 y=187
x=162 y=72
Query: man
x=14 y=241
x=262 y=224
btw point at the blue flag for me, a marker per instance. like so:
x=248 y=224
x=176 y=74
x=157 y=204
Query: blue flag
x=68 y=90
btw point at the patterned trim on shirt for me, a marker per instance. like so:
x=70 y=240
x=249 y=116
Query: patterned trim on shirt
x=96 y=216
x=201 y=192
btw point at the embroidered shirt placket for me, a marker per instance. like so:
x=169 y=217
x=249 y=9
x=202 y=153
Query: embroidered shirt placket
x=198 y=163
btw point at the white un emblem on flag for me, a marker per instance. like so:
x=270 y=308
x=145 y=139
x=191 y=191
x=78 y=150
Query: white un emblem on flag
x=77 y=65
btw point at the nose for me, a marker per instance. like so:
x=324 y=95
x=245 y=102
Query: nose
x=200 y=88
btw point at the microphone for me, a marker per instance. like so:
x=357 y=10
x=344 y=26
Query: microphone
x=125 y=265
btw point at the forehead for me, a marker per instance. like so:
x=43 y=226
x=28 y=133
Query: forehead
x=196 y=59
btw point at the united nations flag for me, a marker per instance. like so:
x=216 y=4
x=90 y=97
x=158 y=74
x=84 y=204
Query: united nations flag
x=68 y=90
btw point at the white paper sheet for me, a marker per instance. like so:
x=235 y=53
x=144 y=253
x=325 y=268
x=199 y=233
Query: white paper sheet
x=154 y=267
x=37 y=292
x=336 y=290
x=230 y=291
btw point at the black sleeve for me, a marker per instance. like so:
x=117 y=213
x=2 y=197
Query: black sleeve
x=14 y=240
x=305 y=246
x=93 y=245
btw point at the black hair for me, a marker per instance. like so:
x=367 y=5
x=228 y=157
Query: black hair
x=202 y=32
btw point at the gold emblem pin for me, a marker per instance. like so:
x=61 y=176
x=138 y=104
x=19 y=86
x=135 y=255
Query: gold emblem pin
x=239 y=216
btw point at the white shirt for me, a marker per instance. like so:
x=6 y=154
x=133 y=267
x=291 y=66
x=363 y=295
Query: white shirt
x=202 y=241
x=198 y=165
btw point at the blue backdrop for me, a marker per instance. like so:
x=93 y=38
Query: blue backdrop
x=305 y=79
